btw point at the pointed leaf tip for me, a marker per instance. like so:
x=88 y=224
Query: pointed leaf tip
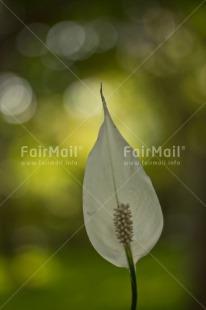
x=102 y=96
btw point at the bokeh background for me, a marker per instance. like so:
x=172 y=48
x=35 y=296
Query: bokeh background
x=150 y=56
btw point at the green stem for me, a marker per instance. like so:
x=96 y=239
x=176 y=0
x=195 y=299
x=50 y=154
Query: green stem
x=132 y=276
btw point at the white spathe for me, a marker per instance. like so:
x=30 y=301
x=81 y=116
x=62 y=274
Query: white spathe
x=108 y=182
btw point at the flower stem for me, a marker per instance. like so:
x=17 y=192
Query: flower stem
x=132 y=276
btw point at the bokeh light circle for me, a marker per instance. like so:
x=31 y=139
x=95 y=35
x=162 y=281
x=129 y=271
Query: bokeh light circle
x=17 y=102
x=66 y=38
x=27 y=42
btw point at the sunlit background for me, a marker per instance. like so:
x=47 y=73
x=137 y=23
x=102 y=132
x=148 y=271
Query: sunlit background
x=151 y=57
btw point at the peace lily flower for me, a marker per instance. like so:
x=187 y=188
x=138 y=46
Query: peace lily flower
x=122 y=214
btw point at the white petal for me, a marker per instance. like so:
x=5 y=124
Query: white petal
x=109 y=182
